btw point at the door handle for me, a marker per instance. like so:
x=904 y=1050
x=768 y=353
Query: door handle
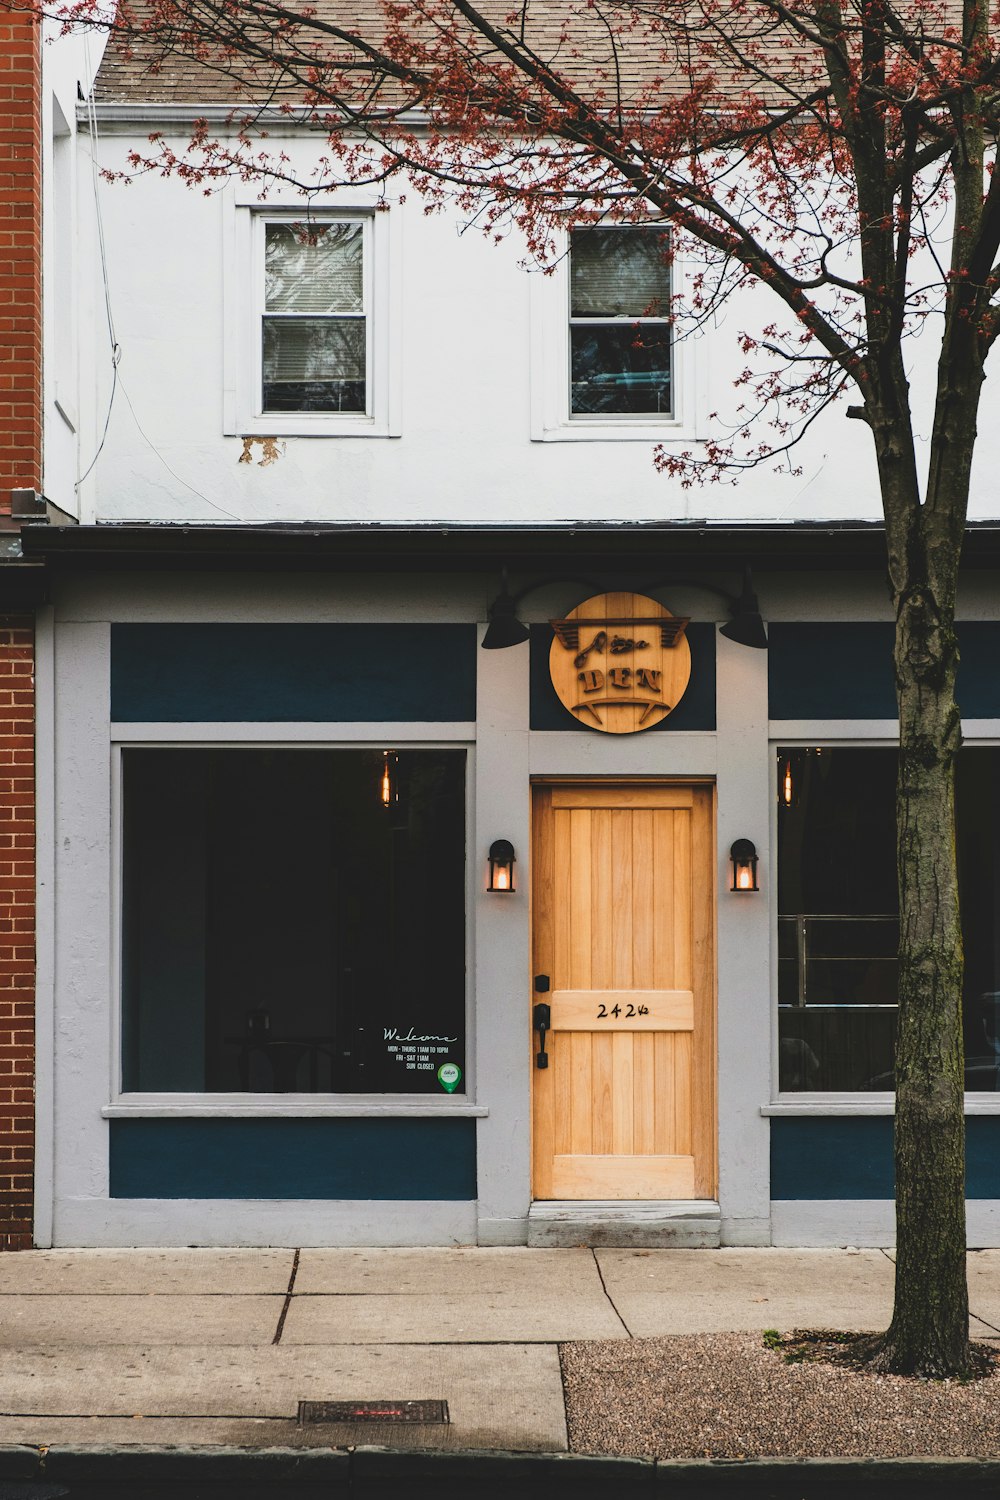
x=542 y=1019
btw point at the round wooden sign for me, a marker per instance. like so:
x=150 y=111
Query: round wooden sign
x=620 y=662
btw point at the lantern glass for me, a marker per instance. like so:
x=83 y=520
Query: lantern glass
x=501 y=866
x=744 y=857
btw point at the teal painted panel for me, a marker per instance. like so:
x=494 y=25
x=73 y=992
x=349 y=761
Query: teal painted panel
x=833 y=671
x=314 y=1158
x=852 y=1158
x=273 y=673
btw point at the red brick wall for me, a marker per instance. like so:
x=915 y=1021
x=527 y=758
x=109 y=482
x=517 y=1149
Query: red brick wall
x=20 y=468
x=17 y=929
x=20 y=257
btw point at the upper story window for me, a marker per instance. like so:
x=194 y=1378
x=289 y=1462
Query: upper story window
x=313 y=318
x=620 y=336
x=606 y=362
x=314 y=323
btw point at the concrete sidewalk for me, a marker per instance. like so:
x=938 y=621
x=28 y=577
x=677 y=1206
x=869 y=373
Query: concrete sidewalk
x=217 y=1347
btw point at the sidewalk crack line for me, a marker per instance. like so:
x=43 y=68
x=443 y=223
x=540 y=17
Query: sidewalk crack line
x=607 y=1294
x=972 y=1313
x=288 y=1299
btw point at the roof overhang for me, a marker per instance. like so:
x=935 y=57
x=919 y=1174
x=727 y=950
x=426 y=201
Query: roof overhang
x=641 y=547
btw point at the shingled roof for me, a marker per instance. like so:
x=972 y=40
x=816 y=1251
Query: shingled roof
x=575 y=38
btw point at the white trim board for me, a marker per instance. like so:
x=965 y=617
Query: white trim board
x=415 y=734
x=307 y=1223
x=866 y=1223
x=866 y=1105
x=819 y=731
x=567 y=752
x=285 y=1107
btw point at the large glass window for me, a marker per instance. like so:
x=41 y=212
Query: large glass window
x=620 y=337
x=293 y=921
x=838 y=927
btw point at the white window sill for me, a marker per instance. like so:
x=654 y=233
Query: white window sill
x=871 y=1104
x=284 y=1106
x=625 y=430
x=318 y=426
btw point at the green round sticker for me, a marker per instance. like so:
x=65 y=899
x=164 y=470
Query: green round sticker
x=449 y=1076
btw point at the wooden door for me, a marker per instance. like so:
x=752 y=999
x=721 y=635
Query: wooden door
x=623 y=926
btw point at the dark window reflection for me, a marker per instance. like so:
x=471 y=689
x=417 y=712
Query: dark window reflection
x=838 y=928
x=284 y=931
x=314 y=364
x=621 y=369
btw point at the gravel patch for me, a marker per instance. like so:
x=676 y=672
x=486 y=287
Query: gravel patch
x=726 y=1395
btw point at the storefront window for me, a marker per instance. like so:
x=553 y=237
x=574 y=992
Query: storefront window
x=293 y=921
x=838 y=926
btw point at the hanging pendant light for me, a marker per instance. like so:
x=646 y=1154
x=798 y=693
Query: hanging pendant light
x=787 y=792
x=389 y=779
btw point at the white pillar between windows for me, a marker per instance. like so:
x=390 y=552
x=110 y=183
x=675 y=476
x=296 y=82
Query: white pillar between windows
x=745 y=801
x=502 y=940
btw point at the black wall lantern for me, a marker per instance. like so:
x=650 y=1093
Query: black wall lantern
x=745 y=627
x=504 y=628
x=501 y=876
x=744 y=857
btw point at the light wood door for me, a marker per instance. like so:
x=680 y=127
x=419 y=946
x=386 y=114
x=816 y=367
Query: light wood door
x=622 y=912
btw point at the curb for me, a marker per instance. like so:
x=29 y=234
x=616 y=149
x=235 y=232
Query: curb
x=375 y=1473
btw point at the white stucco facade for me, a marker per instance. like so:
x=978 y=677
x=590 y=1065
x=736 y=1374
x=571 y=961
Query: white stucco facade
x=471 y=355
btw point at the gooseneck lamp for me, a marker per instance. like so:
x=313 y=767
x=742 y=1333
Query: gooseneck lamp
x=504 y=628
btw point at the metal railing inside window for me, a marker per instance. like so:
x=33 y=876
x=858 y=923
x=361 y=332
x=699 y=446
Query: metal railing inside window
x=837 y=999
x=837 y=960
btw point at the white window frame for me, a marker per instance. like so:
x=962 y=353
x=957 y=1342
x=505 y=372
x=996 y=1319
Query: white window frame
x=243 y=300
x=853 y=734
x=551 y=419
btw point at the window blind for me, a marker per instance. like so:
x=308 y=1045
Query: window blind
x=619 y=273
x=305 y=349
x=320 y=273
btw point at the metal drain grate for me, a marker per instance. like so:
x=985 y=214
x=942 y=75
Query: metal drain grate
x=372 y=1411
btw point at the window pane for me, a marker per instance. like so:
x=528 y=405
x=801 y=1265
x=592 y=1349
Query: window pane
x=835 y=1050
x=314 y=364
x=619 y=273
x=313 y=268
x=837 y=926
x=837 y=929
x=620 y=370
x=286 y=932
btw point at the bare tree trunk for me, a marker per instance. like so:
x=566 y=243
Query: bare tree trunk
x=929 y=1332
x=930 y=1325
